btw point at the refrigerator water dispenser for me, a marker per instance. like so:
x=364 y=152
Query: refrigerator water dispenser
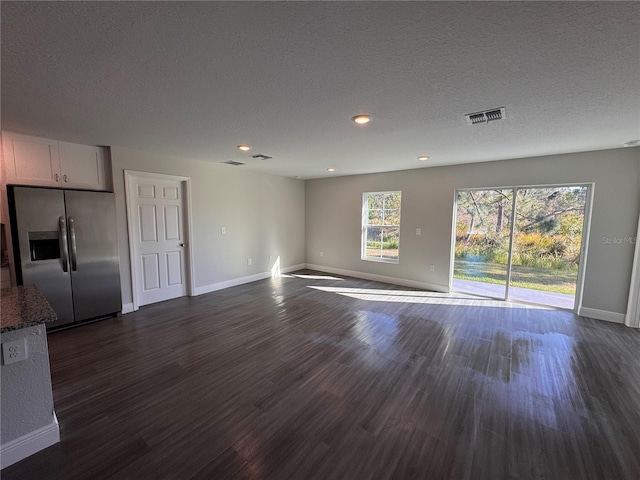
x=44 y=246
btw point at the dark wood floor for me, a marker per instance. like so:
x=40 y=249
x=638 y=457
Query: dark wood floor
x=320 y=378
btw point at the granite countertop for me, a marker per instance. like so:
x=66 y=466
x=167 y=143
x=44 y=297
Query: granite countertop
x=24 y=306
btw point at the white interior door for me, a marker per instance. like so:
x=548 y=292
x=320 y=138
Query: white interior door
x=158 y=235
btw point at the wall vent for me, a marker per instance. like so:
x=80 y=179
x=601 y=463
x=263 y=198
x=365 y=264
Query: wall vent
x=232 y=162
x=261 y=156
x=486 y=116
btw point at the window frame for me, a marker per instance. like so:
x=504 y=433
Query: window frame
x=365 y=226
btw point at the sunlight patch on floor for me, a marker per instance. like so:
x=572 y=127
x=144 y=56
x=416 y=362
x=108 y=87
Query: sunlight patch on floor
x=411 y=296
x=316 y=277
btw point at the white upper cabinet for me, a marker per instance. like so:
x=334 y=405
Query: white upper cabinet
x=31 y=160
x=83 y=166
x=39 y=161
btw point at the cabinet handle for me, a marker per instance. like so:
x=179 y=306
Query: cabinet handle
x=65 y=178
x=57 y=177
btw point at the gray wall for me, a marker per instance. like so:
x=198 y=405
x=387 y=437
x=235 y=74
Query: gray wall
x=333 y=216
x=27 y=401
x=264 y=215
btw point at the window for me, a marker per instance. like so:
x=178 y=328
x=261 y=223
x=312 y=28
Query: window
x=381 y=226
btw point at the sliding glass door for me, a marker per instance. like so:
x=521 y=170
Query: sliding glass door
x=522 y=243
x=547 y=245
x=483 y=232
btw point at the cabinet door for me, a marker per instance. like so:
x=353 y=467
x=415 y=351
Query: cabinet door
x=83 y=166
x=31 y=160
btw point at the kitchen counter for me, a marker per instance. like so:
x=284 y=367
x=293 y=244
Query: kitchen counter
x=27 y=415
x=22 y=307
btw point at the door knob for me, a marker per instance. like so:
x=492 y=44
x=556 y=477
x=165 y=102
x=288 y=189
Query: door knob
x=182 y=244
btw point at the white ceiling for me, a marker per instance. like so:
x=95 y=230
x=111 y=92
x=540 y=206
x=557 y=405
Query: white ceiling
x=195 y=79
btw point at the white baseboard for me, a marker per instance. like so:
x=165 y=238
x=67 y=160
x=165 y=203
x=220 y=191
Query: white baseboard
x=293 y=268
x=601 y=315
x=213 y=287
x=381 y=278
x=22 y=447
x=127 y=308
x=242 y=280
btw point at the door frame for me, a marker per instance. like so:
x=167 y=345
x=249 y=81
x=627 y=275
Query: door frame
x=632 y=318
x=586 y=229
x=185 y=183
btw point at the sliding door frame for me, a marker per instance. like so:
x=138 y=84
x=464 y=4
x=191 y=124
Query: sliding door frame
x=584 y=247
x=632 y=318
x=514 y=204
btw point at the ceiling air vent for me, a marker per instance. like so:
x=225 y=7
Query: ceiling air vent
x=477 y=118
x=486 y=116
x=232 y=162
x=261 y=156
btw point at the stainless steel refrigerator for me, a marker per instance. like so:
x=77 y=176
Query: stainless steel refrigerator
x=65 y=242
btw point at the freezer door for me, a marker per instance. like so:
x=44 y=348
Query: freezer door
x=93 y=253
x=40 y=220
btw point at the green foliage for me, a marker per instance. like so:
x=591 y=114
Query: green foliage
x=383 y=208
x=543 y=224
x=559 y=252
x=388 y=245
x=548 y=226
x=391 y=244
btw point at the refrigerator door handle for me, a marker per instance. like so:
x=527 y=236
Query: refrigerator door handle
x=72 y=243
x=63 y=239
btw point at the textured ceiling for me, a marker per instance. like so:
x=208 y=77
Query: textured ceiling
x=195 y=79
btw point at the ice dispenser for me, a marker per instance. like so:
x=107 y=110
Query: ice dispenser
x=44 y=245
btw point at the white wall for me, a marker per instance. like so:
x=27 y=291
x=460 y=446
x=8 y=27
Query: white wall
x=333 y=216
x=27 y=419
x=264 y=215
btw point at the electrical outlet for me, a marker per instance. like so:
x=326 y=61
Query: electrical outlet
x=432 y=268
x=15 y=351
x=321 y=254
x=249 y=261
x=418 y=231
x=223 y=230
x=270 y=257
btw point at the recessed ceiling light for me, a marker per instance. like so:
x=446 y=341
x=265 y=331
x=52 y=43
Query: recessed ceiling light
x=331 y=169
x=422 y=158
x=633 y=143
x=361 y=119
x=244 y=147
